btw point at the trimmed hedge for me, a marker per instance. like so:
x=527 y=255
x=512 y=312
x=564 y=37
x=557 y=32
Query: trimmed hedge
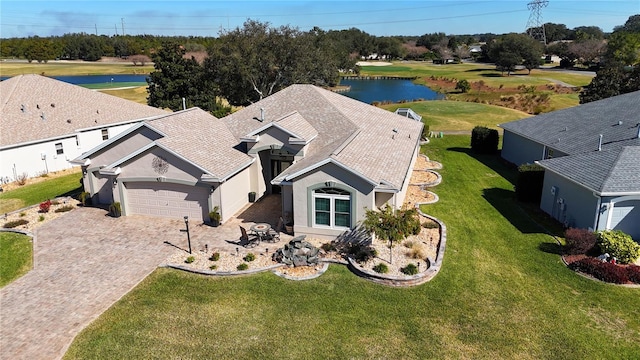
x=529 y=183
x=484 y=140
x=633 y=271
x=604 y=271
x=579 y=241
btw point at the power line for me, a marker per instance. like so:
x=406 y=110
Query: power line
x=535 y=26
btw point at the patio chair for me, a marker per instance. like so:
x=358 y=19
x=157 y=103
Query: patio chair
x=274 y=234
x=248 y=240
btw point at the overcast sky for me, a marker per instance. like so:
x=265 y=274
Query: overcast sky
x=207 y=18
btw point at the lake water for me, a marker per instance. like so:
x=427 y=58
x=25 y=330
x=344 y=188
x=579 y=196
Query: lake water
x=99 y=79
x=369 y=91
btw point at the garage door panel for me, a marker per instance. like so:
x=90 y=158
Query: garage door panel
x=167 y=200
x=626 y=217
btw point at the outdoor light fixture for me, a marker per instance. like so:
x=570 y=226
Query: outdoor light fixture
x=186 y=223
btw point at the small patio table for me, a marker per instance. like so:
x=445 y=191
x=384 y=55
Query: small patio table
x=262 y=229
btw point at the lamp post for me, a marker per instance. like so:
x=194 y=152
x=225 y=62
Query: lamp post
x=186 y=223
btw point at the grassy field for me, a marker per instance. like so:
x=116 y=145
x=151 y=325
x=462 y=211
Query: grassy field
x=137 y=94
x=475 y=72
x=442 y=115
x=15 y=256
x=54 y=68
x=32 y=194
x=503 y=293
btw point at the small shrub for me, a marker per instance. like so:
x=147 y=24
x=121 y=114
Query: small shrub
x=579 y=241
x=463 y=86
x=619 y=245
x=410 y=269
x=15 y=223
x=215 y=256
x=361 y=253
x=190 y=259
x=64 y=208
x=41 y=218
x=83 y=197
x=213 y=267
x=22 y=179
x=45 y=206
x=604 y=271
x=430 y=225
x=249 y=257
x=417 y=251
x=484 y=140
x=55 y=202
x=381 y=268
x=23 y=214
x=242 y=267
x=328 y=247
x=633 y=272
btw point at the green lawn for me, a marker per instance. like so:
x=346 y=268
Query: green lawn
x=442 y=115
x=503 y=293
x=32 y=194
x=15 y=256
x=138 y=94
x=54 y=68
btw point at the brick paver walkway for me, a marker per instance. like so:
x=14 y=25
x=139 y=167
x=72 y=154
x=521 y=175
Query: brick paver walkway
x=84 y=262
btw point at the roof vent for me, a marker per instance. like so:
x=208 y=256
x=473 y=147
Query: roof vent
x=68 y=121
x=638 y=133
x=98 y=111
x=619 y=122
x=23 y=108
x=38 y=106
x=44 y=118
x=600 y=143
x=395 y=130
x=53 y=105
x=261 y=114
x=566 y=128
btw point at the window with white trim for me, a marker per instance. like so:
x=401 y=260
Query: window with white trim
x=59 y=149
x=332 y=208
x=105 y=134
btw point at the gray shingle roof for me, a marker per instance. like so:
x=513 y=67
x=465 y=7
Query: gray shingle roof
x=608 y=172
x=205 y=141
x=355 y=134
x=576 y=130
x=35 y=107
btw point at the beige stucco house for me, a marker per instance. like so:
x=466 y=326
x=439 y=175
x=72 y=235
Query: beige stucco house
x=328 y=156
x=44 y=123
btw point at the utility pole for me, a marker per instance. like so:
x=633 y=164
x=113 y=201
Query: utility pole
x=535 y=26
x=116 y=26
x=96 y=25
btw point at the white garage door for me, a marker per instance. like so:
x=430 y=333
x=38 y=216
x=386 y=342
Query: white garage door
x=167 y=200
x=626 y=217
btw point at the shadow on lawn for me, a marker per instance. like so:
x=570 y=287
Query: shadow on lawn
x=504 y=201
x=494 y=162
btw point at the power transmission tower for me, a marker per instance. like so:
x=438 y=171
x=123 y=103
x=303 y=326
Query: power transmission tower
x=535 y=26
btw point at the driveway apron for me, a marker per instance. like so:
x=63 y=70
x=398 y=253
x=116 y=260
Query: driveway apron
x=84 y=262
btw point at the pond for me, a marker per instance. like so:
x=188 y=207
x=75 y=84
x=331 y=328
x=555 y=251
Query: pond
x=391 y=90
x=99 y=79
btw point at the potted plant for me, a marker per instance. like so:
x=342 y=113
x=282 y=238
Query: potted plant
x=215 y=217
x=115 y=209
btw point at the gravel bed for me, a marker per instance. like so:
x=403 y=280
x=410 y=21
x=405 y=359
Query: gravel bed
x=35 y=217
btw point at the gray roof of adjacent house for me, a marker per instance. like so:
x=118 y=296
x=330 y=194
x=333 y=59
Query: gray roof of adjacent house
x=372 y=142
x=611 y=171
x=35 y=107
x=577 y=129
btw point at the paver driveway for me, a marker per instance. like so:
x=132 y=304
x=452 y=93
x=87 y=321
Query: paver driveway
x=84 y=262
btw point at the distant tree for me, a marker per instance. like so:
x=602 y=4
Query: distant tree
x=463 y=86
x=39 y=49
x=624 y=47
x=515 y=49
x=254 y=61
x=587 y=33
x=176 y=77
x=139 y=59
x=431 y=40
x=615 y=79
x=632 y=25
x=556 y=32
x=587 y=51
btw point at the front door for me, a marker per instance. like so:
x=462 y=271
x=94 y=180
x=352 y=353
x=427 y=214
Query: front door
x=277 y=167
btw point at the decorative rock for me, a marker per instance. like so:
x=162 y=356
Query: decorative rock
x=297 y=252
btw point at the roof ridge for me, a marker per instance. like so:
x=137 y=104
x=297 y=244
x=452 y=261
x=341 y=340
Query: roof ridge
x=613 y=166
x=13 y=88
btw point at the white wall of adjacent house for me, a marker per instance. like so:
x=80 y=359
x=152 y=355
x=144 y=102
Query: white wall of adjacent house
x=234 y=193
x=38 y=158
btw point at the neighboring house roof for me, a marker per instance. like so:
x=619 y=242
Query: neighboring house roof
x=370 y=141
x=612 y=171
x=35 y=107
x=577 y=129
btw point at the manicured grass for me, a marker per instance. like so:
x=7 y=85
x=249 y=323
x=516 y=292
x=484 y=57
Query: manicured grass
x=15 y=256
x=53 y=68
x=113 y=85
x=503 y=293
x=443 y=115
x=138 y=94
x=32 y=194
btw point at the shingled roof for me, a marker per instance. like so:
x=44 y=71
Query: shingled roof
x=577 y=129
x=372 y=142
x=612 y=171
x=35 y=107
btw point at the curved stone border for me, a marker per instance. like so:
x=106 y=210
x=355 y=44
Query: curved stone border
x=412 y=280
x=324 y=268
x=437 y=181
x=436 y=198
x=223 y=273
x=437 y=167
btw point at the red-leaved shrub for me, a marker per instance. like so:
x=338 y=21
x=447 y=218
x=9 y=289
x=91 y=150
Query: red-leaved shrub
x=45 y=206
x=633 y=271
x=604 y=271
x=579 y=241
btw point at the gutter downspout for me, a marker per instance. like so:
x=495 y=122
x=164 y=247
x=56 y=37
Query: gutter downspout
x=597 y=217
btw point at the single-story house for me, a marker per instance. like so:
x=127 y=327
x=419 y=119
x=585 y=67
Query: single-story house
x=46 y=122
x=328 y=156
x=591 y=156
